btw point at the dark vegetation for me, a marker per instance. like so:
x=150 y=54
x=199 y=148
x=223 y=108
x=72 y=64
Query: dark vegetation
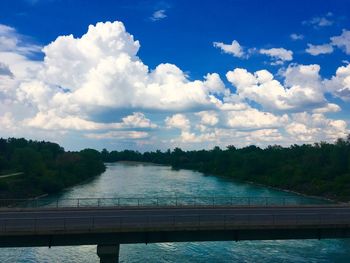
x=46 y=167
x=321 y=169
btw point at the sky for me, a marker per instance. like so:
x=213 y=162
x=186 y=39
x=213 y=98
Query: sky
x=147 y=75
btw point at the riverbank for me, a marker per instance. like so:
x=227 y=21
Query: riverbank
x=271 y=187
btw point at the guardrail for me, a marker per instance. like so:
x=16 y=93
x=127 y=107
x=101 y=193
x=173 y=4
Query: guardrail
x=168 y=222
x=176 y=201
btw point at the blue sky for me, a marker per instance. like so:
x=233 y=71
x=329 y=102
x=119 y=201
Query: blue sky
x=138 y=77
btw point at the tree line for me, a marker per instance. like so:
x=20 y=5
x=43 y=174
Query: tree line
x=44 y=167
x=321 y=169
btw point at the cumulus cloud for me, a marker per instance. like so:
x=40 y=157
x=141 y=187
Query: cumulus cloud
x=209 y=118
x=234 y=49
x=302 y=87
x=178 y=121
x=310 y=127
x=254 y=119
x=339 y=85
x=101 y=71
x=278 y=55
x=342 y=41
x=316 y=50
x=330 y=107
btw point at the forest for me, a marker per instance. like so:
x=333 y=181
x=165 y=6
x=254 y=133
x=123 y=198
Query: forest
x=43 y=167
x=320 y=169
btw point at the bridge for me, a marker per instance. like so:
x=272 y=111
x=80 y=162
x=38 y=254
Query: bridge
x=109 y=222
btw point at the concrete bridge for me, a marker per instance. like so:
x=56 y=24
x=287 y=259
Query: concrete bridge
x=23 y=224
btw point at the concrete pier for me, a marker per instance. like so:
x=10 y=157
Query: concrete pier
x=108 y=253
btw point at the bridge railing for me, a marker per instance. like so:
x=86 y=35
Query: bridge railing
x=173 y=201
x=169 y=222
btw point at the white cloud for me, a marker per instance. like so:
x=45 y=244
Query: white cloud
x=119 y=135
x=234 y=49
x=339 y=85
x=303 y=75
x=254 y=119
x=178 y=121
x=7 y=121
x=209 y=118
x=320 y=21
x=101 y=71
x=302 y=87
x=316 y=50
x=264 y=135
x=158 y=15
x=342 y=41
x=50 y=121
x=330 y=107
x=295 y=36
x=138 y=120
x=11 y=41
x=278 y=55
x=315 y=127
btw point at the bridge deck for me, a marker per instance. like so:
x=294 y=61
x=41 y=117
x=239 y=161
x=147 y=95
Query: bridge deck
x=78 y=226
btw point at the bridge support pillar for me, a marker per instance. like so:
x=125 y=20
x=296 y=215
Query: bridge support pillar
x=108 y=253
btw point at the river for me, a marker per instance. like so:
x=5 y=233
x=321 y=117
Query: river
x=145 y=180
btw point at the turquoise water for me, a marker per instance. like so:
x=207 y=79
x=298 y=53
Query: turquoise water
x=123 y=179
